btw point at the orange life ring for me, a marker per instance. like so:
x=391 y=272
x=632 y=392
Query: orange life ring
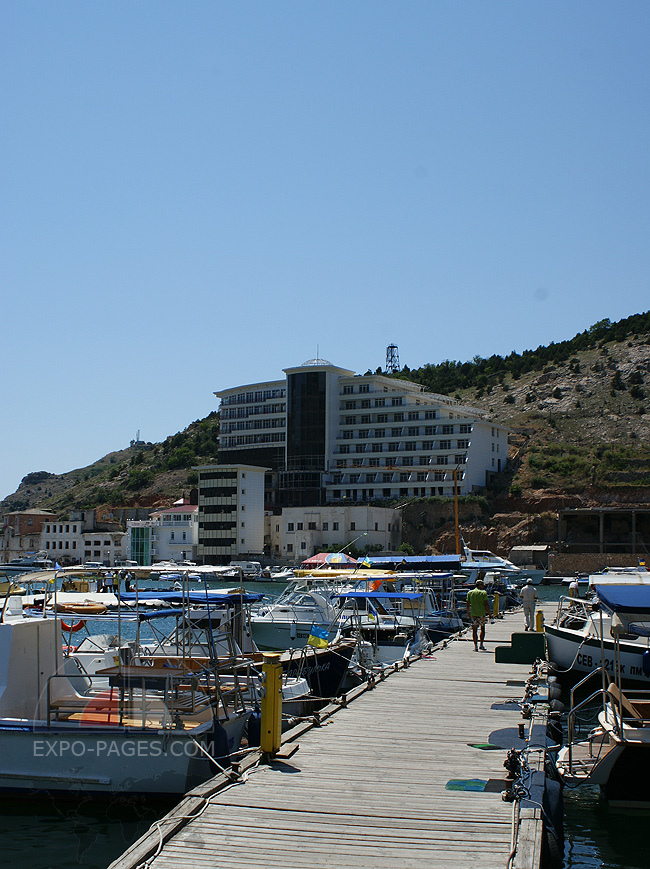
x=72 y=629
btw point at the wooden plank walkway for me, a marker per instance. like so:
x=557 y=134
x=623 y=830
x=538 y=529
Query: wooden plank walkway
x=370 y=787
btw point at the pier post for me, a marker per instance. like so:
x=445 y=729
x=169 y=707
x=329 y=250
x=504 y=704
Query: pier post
x=539 y=622
x=495 y=605
x=271 y=724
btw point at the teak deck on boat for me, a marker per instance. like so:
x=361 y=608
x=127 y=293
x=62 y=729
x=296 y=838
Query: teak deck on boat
x=369 y=787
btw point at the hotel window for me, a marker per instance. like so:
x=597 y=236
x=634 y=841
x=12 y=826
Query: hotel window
x=344 y=449
x=386 y=494
x=289 y=547
x=357 y=463
x=353 y=526
x=341 y=463
x=347 y=435
x=390 y=461
x=364 y=387
x=429 y=414
x=380 y=402
x=396 y=402
x=447 y=429
x=438 y=475
x=395 y=432
x=407 y=461
x=403 y=478
x=335 y=526
x=303 y=545
x=373 y=463
x=311 y=526
x=462 y=445
x=413 y=431
x=243 y=524
x=410 y=446
x=460 y=460
x=380 y=432
x=350 y=405
x=424 y=460
x=290 y=526
x=421 y=476
x=347 y=390
x=429 y=430
x=299 y=526
x=376 y=448
x=366 y=419
x=427 y=445
x=414 y=414
x=325 y=526
x=464 y=429
x=382 y=417
x=398 y=417
x=365 y=403
x=445 y=445
x=350 y=420
x=441 y=460
x=360 y=448
x=363 y=433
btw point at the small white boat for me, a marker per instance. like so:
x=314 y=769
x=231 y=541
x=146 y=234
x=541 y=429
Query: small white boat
x=287 y=622
x=580 y=641
x=615 y=755
x=483 y=559
x=136 y=729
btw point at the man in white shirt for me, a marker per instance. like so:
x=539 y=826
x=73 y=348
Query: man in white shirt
x=529 y=599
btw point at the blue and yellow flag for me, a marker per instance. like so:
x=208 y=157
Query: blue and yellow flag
x=318 y=637
x=366 y=562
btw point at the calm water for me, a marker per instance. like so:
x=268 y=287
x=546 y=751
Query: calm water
x=50 y=834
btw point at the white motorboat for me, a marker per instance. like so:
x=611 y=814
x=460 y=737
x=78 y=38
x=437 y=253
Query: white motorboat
x=387 y=623
x=615 y=755
x=483 y=559
x=580 y=640
x=143 y=729
x=287 y=622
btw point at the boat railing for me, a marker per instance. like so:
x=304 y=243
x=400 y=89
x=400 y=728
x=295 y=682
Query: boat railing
x=574 y=708
x=137 y=695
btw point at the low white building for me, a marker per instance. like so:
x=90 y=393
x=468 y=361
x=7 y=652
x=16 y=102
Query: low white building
x=81 y=537
x=299 y=532
x=170 y=534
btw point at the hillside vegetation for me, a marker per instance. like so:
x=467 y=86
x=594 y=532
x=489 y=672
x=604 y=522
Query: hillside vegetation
x=577 y=411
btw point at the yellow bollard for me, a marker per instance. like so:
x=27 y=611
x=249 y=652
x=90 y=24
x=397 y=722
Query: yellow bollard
x=539 y=622
x=495 y=605
x=271 y=724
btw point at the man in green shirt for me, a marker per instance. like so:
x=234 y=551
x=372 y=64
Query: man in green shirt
x=478 y=610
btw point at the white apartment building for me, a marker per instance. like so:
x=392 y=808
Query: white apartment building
x=330 y=436
x=300 y=532
x=230 y=512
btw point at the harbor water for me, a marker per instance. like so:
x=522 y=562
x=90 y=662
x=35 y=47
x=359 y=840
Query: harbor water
x=55 y=834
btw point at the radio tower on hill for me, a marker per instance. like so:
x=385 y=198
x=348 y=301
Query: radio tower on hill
x=392 y=359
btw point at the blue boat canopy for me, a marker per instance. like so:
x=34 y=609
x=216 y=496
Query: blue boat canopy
x=625 y=598
x=214 y=598
x=403 y=562
x=381 y=595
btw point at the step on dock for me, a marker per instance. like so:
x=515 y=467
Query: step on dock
x=409 y=773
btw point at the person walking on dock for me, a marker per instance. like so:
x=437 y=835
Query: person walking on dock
x=529 y=599
x=478 y=610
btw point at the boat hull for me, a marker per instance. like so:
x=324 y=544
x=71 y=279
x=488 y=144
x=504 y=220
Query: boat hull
x=571 y=652
x=38 y=759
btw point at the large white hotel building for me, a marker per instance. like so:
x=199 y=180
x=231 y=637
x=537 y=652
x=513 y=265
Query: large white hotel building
x=331 y=436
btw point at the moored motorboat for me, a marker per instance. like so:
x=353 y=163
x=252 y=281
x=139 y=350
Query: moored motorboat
x=615 y=754
x=579 y=640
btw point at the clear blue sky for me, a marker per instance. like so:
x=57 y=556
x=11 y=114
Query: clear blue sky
x=198 y=195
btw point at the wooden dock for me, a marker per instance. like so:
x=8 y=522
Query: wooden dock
x=408 y=774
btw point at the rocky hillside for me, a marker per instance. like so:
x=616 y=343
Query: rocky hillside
x=580 y=437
